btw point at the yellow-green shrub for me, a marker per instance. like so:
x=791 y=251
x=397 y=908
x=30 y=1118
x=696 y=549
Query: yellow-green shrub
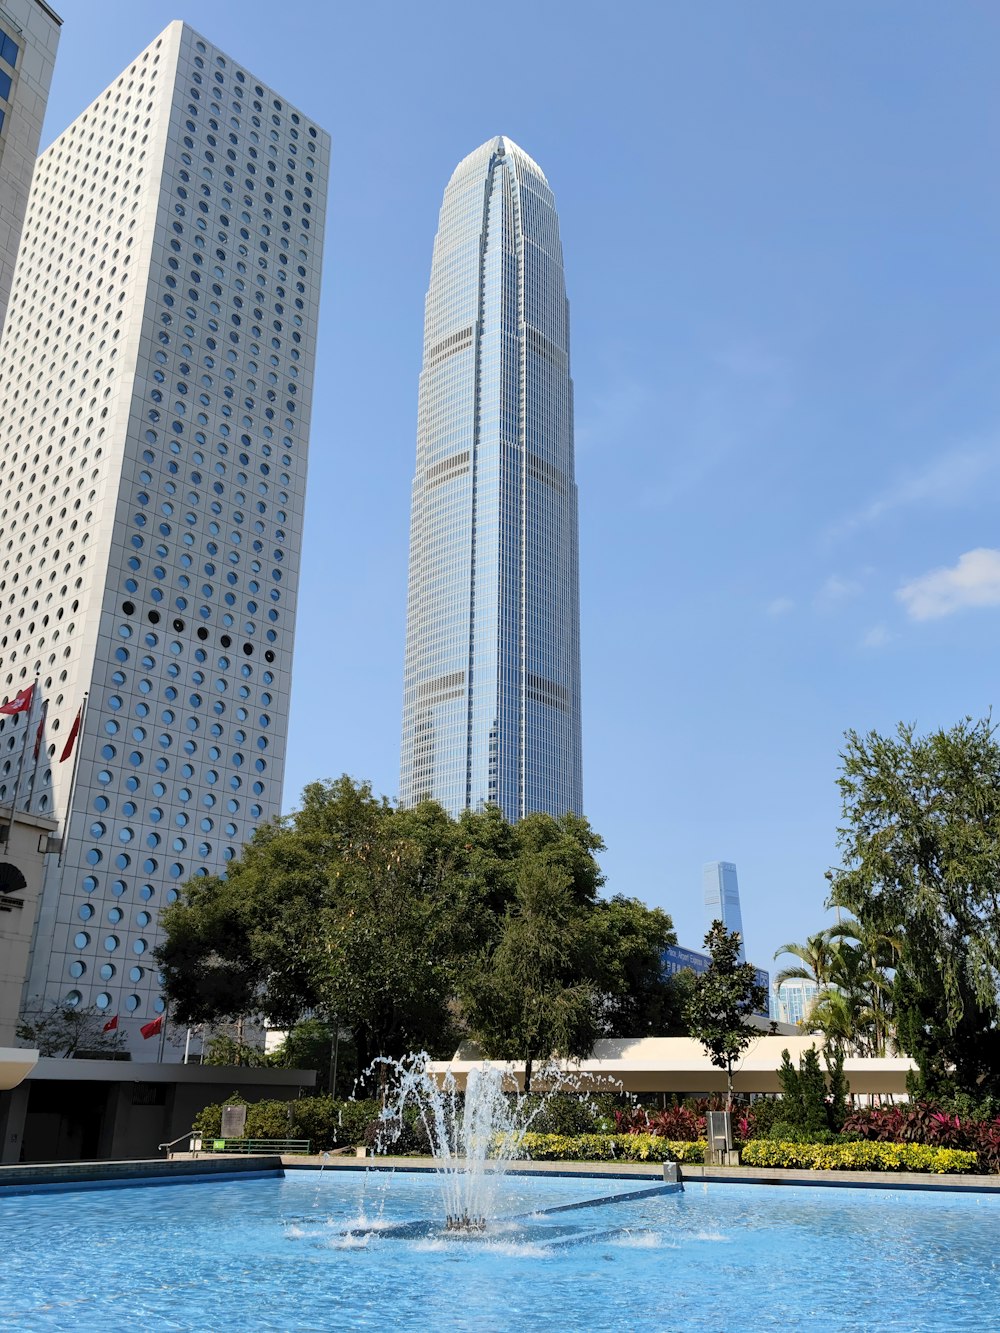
x=609 y=1148
x=861 y=1156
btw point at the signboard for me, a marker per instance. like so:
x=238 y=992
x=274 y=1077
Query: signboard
x=234 y=1121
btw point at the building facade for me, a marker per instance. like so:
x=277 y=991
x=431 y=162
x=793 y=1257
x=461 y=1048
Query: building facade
x=156 y=376
x=722 y=898
x=676 y=958
x=491 y=710
x=29 y=36
x=793 y=1000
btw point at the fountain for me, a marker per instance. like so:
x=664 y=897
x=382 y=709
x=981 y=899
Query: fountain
x=472 y=1135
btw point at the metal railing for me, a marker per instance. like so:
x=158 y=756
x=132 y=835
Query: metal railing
x=291 y=1147
x=189 y=1134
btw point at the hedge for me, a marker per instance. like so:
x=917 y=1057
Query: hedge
x=860 y=1156
x=324 y=1122
x=610 y=1148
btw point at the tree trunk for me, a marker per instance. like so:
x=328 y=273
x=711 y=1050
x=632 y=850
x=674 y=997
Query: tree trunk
x=527 y=1073
x=729 y=1085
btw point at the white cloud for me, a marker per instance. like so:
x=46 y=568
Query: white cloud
x=954 y=477
x=877 y=637
x=780 y=606
x=974 y=581
x=836 y=589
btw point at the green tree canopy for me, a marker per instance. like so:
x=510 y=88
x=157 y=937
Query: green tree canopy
x=348 y=909
x=410 y=928
x=921 y=852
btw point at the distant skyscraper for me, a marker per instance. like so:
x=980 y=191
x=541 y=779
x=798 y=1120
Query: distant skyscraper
x=722 y=898
x=29 y=35
x=491 y=709
x=156 y=376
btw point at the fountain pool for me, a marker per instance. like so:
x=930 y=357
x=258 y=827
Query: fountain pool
x=349 y=1250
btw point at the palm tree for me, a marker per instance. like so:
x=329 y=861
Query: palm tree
x=879 y=954
x=816 y=961
x=849 y=966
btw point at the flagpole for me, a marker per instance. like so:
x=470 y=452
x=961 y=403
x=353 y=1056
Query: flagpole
x=163 y=1038
x=20 y=762
x=39 y=736
x=72 y=782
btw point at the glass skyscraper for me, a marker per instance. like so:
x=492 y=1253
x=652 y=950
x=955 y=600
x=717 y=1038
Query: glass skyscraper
x=722 y=898
x=491 y=710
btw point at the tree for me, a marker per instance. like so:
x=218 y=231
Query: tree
x=223 y=1048
x=347 y=909
x=848 y=962
x=67 y=1031
x=636 y=999
x=409 y=928
x=534 y=993
x=921 y=851
x=723 y=998
x=816 y=961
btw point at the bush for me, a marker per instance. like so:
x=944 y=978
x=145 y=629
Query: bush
x=208 y=1121
x=610 y=1148
x=268 y=1120
x=570 y=1113
x=326 y=1123
x=931 y=1124
x=784 y=1132
x=763 y=1114
x=265 y=1120
x=398 y=1135
x=858 y=1157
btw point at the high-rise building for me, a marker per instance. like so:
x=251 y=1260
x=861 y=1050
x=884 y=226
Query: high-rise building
x=722 y=898
x=29 y=36
x=491 y=710
x=794 y=999
x=156 y=376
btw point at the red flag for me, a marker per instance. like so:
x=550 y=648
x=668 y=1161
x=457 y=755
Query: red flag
x=20 y=703
x=71 y=738
x=111 y=1025
x=38 y=734
x=152 y=1029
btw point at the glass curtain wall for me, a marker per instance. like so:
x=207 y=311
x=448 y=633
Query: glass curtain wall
x=491 y=708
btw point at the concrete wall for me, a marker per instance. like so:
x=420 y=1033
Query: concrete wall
x=35 y=29
x=79 y=1110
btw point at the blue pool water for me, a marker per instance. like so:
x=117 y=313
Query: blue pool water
x=333 y=1251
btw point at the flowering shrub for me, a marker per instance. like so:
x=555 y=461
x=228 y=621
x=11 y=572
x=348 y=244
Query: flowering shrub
x=631 y=1147
x=675 y=1122
x=685 y=1122
x=925 y=1123
x=858 y=1157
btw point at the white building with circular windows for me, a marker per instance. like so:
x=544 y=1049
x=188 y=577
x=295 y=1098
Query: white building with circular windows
x=156 y=377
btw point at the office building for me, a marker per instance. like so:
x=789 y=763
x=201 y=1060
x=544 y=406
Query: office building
x=29 y=36
x=794 y=999
x=491 y=710
x=676 y=958
x=722 y=899
x=156 y=377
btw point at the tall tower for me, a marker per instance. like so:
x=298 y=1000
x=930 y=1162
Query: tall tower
x=491 y=706
x=29 y=36
x=156 y=375
x=722 y=898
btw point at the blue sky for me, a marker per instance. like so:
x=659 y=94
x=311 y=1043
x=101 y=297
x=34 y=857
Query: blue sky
x=780 y=225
